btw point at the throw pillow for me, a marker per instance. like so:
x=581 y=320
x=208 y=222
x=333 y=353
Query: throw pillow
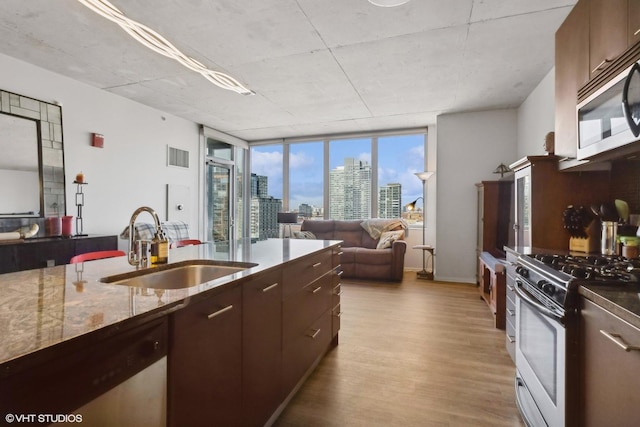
x=304 y=235
x=388 y=237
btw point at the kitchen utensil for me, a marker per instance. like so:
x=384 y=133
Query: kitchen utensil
x=623 y=210
x=608 y=212
x=608 y=243
x=595 y=209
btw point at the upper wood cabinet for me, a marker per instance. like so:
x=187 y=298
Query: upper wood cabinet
x=608 y=22
x=633 y=30
x=572 y=72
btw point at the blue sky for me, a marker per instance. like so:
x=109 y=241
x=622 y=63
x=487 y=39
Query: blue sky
x=399 y=157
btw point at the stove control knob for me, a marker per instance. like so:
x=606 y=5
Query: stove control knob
x=548 y=289
x=522 y=271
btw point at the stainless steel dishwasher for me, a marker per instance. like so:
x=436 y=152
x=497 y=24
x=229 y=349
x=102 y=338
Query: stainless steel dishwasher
x=115 y=380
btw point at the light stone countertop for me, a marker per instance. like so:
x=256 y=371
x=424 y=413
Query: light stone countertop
x=47 y=307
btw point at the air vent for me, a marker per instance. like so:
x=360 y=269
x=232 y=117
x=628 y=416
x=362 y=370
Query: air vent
x=177 y=157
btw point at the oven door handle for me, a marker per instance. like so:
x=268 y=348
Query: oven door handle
x=525 y=296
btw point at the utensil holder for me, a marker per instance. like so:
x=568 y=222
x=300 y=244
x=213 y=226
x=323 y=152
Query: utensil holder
x=609 y=238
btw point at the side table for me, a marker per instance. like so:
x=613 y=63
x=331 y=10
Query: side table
x=424 y=274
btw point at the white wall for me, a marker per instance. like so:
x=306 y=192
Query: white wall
x=536 y=118
x=130 y=171
x=470 y=146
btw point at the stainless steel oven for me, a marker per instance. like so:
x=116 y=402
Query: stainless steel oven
x=540 y=350
x=540 y=356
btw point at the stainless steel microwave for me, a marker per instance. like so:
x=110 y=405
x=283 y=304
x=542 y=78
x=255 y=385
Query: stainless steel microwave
x=610 y=117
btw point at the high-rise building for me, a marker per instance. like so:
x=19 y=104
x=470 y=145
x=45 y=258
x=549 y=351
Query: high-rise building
x=350 y=190
x=390 y=201
x=264 y=209
x=305 y=210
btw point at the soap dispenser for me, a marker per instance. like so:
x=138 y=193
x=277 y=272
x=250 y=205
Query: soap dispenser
x=159 y=248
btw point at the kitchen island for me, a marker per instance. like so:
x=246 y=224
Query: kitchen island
x=57 y=311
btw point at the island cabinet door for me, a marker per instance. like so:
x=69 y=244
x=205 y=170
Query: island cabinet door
x=205 y=362
x=262 y=390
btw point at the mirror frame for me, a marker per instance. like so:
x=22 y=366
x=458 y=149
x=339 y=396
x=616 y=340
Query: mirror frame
x=48 y=119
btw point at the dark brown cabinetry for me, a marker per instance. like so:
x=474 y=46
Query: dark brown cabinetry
x=205 y=362
x=611 y=361
x=236 y=357
x=608 y=24
x=306 y=314
x=633 y=29
x=542 y=193
x=494 y=215
x=492 y=284
x=572 y=72
x=261 y=348
x=41 y=253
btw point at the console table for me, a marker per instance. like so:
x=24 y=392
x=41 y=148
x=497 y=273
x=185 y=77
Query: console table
x=50 y=251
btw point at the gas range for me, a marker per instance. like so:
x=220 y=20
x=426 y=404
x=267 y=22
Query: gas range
x=556 y=278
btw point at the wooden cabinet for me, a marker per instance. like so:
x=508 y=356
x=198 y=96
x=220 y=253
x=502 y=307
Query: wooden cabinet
x=633 y=28
x=336 y=311
x=307 y=326
x=571 y=73
x=611 y=361
x=205 y=362
x=236 y=357
x=608 y=24
x=41 y=253
x=262 y=390
x=492 y=286
x=542 y=193
x=494 y=215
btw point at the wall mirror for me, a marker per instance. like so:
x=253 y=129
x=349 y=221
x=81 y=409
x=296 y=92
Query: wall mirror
x=32 y=160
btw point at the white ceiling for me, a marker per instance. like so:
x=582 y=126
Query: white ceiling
x=317 y=66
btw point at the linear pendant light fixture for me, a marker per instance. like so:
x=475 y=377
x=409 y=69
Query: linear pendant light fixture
x=159 y=44
x=388 y=3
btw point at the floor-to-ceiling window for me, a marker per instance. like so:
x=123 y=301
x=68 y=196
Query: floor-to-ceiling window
x=266 y=190
x=339 y=177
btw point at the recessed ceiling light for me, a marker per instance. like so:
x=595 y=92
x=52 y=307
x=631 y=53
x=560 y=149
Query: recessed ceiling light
x=388 y=3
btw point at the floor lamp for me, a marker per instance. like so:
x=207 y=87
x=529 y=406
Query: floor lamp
x=424 y=274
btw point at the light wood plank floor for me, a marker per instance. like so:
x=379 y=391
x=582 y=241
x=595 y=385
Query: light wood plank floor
x=417 y=353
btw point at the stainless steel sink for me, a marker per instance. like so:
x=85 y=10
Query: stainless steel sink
x=179 y=275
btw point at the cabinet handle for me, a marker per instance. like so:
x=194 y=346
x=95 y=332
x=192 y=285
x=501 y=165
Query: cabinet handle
x=268 y=288
x=316 y=290
x=338 y=314
x=340 y=273
x=637 y=32
x=511 y=312
x=317 y=264
x=314 y=334
x=339 y=293
x=219 y=312
x=340 y=253
x=619 y=341
x=599 y=67
x=511 y=339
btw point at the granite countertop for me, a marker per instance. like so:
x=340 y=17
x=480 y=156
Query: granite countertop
x=45 y=307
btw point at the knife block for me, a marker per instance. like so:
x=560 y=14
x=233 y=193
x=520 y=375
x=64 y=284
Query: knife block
x=588 y=244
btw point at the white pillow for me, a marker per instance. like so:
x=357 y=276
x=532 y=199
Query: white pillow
x=388 y=237
x=303 y=235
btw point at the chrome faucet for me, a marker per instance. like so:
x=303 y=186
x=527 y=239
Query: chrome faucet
x=138 y=248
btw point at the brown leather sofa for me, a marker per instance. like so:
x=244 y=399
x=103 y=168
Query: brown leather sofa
x=360 y=259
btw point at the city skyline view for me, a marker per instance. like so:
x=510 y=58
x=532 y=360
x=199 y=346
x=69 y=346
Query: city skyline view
x=399 y=158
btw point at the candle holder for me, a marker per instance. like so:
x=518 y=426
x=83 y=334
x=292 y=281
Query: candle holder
x=79 y=205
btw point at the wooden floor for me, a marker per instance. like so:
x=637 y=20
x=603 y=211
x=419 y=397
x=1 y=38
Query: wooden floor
x=419 y=353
